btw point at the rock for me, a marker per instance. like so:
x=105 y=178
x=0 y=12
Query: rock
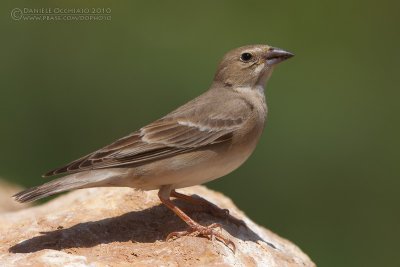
x=125 y=227
x=6 y=202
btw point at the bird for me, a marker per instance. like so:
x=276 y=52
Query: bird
x=202 y=140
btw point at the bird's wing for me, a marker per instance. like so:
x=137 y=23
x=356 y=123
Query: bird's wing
x=181 y=131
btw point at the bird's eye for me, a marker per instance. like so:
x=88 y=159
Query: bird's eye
x=246 y=57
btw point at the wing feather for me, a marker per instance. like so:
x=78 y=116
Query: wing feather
x=179 y=132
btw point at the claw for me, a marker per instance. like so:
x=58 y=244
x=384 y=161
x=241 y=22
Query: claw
x=208 y=232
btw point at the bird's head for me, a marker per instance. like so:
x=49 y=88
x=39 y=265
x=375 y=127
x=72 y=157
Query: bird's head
x=249 y=66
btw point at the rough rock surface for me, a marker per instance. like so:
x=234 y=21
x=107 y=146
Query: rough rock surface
x=124 y=227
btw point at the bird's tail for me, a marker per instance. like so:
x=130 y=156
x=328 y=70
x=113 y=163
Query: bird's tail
x=66 y=183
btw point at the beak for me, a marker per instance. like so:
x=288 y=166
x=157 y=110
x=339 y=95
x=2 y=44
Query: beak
x=277 y=55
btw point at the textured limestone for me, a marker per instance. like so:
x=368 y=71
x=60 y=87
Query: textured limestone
x=124 y=227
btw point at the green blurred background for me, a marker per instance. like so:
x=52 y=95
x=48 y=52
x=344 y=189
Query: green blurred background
x=326 y=172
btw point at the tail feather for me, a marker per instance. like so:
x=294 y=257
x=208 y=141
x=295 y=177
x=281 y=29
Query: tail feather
x=66 y=183
x=45 y=190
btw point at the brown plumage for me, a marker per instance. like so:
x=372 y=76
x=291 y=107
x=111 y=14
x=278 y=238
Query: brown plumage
x=202 y=140
x=178 y=132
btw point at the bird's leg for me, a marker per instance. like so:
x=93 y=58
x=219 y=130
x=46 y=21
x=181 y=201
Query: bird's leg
x=195 y=228
x=208 y=206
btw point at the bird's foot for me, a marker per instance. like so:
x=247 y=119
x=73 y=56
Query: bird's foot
x=207 y=206
x=210 y=232
x=222 y=213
